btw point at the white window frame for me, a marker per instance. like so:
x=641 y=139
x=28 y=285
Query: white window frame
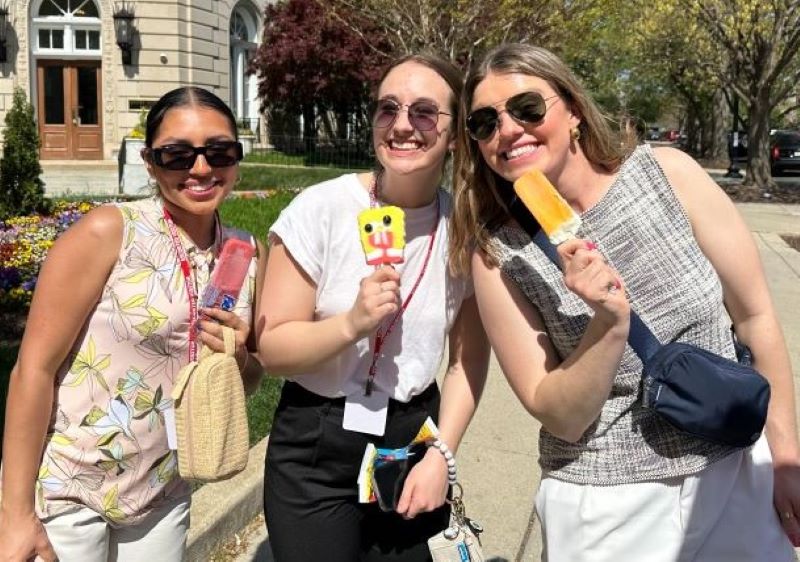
x=68 y=24
x=244 y=89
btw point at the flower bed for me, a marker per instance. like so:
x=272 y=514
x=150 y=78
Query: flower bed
x=24 y=242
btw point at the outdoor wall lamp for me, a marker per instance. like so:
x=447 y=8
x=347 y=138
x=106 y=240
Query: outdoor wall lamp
x=3 y=32
x=124 y=30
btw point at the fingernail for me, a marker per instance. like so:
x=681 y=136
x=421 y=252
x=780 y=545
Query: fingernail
x=617 y=284
x=591 y=245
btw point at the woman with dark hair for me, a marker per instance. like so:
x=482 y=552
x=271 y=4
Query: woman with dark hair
x=361 y=345
x=659 y=236
x=93 y=473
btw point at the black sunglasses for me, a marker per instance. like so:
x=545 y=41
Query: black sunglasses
x=423 y=115
x=183 y=156
x=527 y=107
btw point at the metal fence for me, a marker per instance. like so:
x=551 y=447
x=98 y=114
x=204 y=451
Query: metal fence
x=306 y=151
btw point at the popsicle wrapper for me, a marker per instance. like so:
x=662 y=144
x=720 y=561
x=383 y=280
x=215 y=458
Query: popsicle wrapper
x=229 y=275
x=545 y=203
x=383 y=234
x=373 y=455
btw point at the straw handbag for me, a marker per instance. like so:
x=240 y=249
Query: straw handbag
x=210 y=416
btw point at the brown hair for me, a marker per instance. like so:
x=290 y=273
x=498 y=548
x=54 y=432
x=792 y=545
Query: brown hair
x=479 y=206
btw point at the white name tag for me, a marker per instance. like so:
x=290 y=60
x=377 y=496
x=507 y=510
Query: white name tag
x=366 y=414
x=169 y=423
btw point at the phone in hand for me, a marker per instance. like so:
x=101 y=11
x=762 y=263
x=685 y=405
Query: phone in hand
x=390 y=473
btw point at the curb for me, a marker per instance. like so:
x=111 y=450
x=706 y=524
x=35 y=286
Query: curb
x=221 y=509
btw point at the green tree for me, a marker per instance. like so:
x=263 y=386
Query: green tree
x=668 y=44
x=458 y=29
x=20 y=183
x=759 y=42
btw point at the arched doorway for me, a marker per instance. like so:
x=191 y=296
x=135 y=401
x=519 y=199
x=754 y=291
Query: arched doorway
x=243 y=39
x=66 y=45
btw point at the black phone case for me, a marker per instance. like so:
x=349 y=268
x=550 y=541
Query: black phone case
x=390 y=476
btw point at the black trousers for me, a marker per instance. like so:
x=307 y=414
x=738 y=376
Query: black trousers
x=310 y=491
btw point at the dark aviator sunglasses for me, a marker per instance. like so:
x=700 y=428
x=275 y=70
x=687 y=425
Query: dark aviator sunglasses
x=527 y=107
x=423 y=115
x=183 y=156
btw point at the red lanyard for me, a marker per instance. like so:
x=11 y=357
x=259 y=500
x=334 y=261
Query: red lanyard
x=380 y=337
x=191 y=291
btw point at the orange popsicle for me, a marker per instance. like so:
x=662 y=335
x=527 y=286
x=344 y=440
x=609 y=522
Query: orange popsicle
x=555 y=216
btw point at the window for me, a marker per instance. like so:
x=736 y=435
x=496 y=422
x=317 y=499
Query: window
x=243 y=36
x=87 y=39
x=74 y=8
x=51 y=38
x=67 y=27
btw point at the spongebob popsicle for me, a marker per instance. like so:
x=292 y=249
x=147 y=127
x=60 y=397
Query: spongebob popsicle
x=555 y=216
x=383 y=234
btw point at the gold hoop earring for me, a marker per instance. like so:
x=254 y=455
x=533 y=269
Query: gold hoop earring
x=575 y=133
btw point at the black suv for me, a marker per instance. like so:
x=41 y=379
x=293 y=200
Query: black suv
x=784 y=153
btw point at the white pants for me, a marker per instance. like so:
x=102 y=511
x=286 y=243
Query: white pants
x=84 y=536
x=723 y=514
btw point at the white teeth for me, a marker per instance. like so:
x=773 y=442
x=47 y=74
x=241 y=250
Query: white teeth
x=200 y=187
x=520 y=150
x=408 y=145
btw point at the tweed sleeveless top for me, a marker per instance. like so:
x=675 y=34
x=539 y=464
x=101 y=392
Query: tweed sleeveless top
x=644 y=233
x=107 y=447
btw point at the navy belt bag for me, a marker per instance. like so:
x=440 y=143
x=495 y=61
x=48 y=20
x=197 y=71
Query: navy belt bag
x=696 y=391
x=700 y=392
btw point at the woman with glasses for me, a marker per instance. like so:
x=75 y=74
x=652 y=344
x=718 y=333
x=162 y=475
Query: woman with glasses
x=659 y=236
x=90 y=471
x=360 y=345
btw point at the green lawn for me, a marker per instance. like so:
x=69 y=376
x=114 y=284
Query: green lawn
x=259 y=178
x=327 y=156
x=253 y=215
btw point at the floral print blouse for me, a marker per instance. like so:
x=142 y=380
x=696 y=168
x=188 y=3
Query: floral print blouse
x=107 y=445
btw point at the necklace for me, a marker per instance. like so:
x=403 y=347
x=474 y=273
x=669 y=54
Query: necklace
x=380 y=336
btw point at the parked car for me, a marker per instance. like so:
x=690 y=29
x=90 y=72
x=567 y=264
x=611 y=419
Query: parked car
x=784 y=154
x=653 y=134
x=671 y=135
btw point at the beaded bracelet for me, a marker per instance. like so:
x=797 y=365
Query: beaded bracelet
x=449 y=458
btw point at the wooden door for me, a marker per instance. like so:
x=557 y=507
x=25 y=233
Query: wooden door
x=70 y=118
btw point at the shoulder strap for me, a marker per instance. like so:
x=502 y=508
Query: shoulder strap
x=640 y=338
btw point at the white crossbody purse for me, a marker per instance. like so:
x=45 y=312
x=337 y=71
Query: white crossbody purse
x=459 y=542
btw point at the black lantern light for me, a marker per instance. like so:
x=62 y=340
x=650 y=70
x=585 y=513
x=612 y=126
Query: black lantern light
x=3 y=32
x=123 y=29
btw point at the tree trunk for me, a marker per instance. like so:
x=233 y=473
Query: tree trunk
x=693 y=131
x=309 y=128
x=758 y=165
x=718 y=137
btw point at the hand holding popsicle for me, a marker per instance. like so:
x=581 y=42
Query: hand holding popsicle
x=378 y=297
x=588 y=275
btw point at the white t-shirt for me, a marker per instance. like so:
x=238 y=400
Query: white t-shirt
x=320 y=231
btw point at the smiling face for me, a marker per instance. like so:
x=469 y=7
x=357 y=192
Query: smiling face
x=202 y=188
x=401 y=148
x=516 y=147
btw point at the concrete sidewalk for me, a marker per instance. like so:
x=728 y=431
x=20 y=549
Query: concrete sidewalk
x=498 y=458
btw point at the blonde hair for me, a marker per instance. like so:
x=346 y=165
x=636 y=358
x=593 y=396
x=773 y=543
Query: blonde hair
x=479 y=193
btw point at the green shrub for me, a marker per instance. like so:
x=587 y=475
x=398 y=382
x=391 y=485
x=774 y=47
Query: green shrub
x=21 y=186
